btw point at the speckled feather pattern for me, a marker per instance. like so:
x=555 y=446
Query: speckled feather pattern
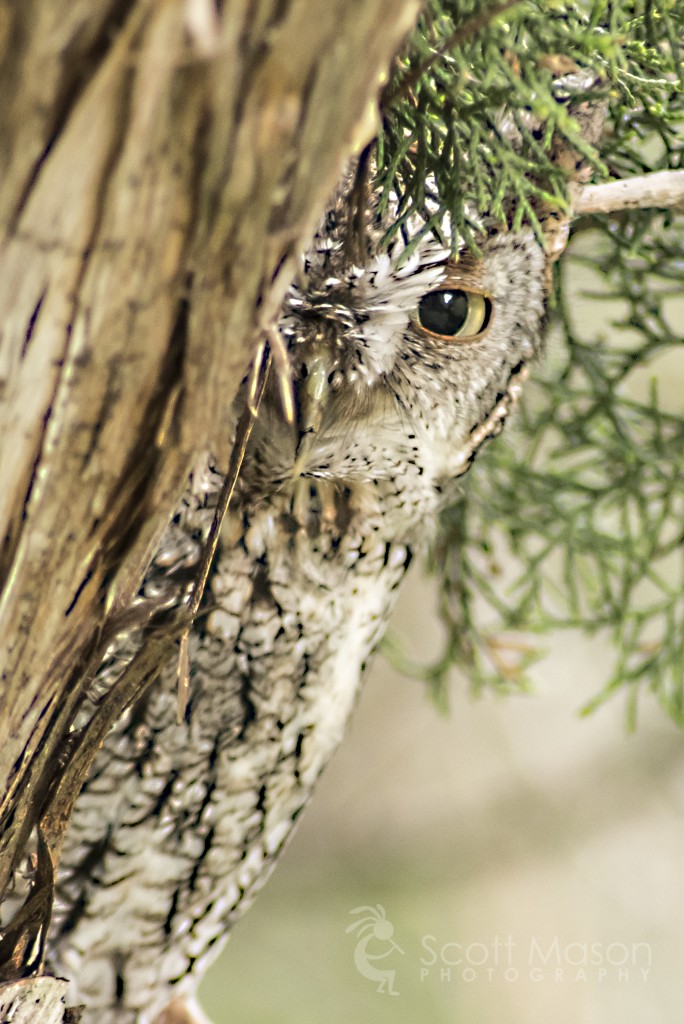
x=178 y=826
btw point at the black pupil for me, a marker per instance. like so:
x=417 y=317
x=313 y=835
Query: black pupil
x=443 y=312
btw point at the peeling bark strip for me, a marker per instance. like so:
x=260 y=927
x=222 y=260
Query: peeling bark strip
x=36 y=1001
x=161 y=165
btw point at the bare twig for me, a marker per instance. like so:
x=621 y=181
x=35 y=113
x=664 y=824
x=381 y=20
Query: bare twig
x=661 y=189
x=256 y=386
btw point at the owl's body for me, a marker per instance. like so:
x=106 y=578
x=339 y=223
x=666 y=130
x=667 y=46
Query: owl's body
x=179 y=825
x=202 y=809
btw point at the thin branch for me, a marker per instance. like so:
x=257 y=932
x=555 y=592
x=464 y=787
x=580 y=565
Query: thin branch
x=259 y=374
x=661 y=189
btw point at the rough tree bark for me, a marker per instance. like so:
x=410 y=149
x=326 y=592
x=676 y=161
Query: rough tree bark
x=162 y=162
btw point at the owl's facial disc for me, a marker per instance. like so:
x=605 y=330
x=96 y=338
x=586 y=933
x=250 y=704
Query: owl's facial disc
x=409 y=364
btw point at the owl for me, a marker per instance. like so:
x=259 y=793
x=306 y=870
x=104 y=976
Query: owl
x=402 y=363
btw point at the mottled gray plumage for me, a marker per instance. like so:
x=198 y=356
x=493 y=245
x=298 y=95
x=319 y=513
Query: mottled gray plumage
x=178 y=826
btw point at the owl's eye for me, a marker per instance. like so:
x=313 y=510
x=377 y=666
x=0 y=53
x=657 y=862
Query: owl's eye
x=454 y=314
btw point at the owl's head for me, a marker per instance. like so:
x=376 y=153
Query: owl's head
x=402 y=367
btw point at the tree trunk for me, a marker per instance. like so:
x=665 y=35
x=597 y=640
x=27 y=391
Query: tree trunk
x=162 y=164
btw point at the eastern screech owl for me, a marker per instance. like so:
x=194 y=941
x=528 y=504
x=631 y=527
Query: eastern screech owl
x=400 y=371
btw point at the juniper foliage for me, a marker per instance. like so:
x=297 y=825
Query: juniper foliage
x=575 y=518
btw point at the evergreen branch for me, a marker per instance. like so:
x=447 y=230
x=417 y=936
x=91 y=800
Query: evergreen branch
x=468 y=76
x=465 y=31
x=475 y=118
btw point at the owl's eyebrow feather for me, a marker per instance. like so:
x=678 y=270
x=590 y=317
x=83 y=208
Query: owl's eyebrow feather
x=468 y=272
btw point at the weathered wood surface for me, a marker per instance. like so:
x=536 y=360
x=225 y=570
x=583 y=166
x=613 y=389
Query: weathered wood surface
x=35 y=1001
x=161 y=166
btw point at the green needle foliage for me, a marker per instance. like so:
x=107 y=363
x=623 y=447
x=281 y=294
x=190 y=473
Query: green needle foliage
x=469 y=62
x=576 y=517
